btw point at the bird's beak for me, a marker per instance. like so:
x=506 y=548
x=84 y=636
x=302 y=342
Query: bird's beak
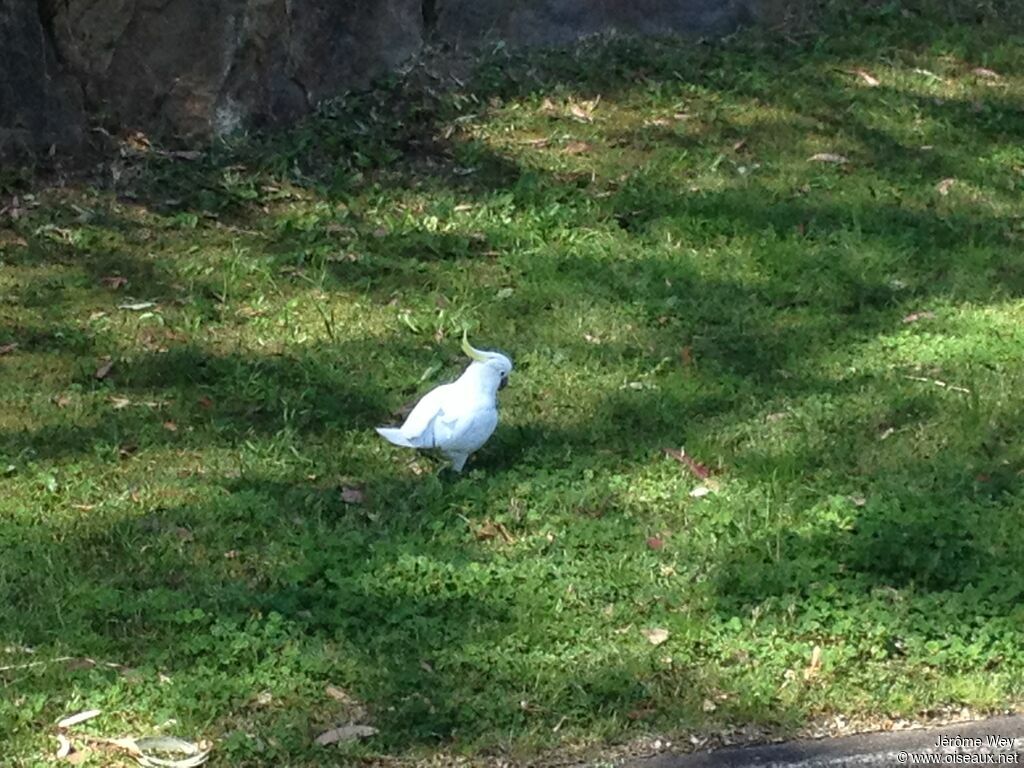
x=504 y=382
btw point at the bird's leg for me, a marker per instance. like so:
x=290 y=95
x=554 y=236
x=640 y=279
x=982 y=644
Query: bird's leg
x=451 y=464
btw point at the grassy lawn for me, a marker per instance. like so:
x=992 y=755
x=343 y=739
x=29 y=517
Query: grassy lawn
x=800 y=259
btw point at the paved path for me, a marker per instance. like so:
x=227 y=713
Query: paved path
x=999 y=741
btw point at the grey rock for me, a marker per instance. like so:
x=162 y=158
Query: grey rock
x=557 y=22
x=189 y=70
x=40 y=105
x=192 y=68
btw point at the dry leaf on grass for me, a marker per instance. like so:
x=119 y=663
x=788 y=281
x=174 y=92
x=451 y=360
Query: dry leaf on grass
x=986 y=73
x=641 y=713
x=913 y=317
x=580 y=114
x=182 y=154
x=698 y=469
x=577 y=148
x=700 y=492
x=869 y=79
x=352 y=495
x=338 y=694
x=355 y=710
x=584 y=111
x=928 y=73
x=8 y=237
x=137 y=306
x=829 y=157
x=113 y=282
x=103 y=370
x=345 y=733
x=6 y=349
x=815 y=665
x=944 y=186
x=655 y=636
x=491 y=530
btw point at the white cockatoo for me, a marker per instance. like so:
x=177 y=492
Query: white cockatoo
x=457 y=418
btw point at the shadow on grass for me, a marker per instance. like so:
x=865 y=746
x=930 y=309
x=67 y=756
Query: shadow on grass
x=325 y=589
x=224 y=398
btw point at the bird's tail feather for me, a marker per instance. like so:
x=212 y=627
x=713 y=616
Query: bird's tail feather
x=395 y=436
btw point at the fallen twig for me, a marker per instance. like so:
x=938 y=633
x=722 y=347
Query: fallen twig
x=143 y=750
x=698 y=469
x=939 y=383
x=60 y=660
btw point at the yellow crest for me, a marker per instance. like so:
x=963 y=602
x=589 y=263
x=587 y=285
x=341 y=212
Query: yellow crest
x=472 y=354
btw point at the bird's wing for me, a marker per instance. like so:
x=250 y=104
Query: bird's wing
x=418 y=428
x=443 y=419
x=464 y=431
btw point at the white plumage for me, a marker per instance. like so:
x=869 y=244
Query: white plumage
x=457 y=418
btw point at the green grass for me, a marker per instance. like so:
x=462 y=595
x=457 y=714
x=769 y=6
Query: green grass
x=658 y=284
